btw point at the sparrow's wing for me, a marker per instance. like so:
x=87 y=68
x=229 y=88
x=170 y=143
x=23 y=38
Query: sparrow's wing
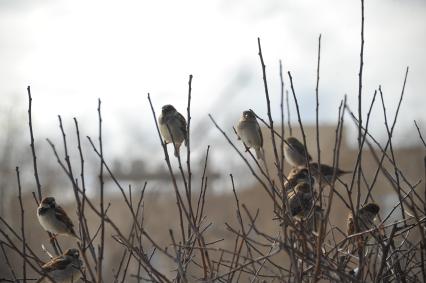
x=63 y=217
x=260 y=135
x=182 y=122
x=299 y=147
x=57 y=263
x=296 y=208
x=294 y=202
x=326 y=170
x=161 y=119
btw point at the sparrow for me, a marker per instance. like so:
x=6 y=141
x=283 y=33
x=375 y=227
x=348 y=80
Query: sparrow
x=325 y=171
x=365 y=217
x=248 y=130
x=296 y=176
x=300 y=199
x=54 y=219
x=173 y=127
x=64 y=268
x=294 y=152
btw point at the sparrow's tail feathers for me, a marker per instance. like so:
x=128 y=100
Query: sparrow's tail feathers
x=177 y=149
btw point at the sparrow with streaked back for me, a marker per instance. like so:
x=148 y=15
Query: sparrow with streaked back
x=64 y=268
x=54 y=219
x=173 y=127
x=248 y=130
x=295 y=153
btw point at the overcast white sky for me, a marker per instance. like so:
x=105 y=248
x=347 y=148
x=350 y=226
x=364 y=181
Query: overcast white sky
x=73 y=52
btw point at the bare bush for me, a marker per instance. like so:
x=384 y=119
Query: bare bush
x=305 y=246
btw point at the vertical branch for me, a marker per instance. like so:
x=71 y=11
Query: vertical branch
x=281 y=172
x=24 y=250
x=188 y=157
x=102 y=211
x=188 y=128
x=361 y=66
x=317 y=113
x=30 y=123
x=268 y=105
x=300 y=121
x=85 y=235
x=288 y=113
x=71 y=175
x=83 y=182
x=319 y=240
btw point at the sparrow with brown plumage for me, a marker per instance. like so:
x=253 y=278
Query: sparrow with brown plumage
x=325 y=171
x=54 y=219
x=365 y=217
x=296 y=176
x=295 y=153
x=63 y=269
x=173 y=127
x=300 y=199
x=248 y=130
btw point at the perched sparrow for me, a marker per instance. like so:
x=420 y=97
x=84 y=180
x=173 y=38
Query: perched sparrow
x=366 y=216
x=325 y=171
x=64 y=268
x=54 y=219
x=300 y=199
x=296 y=176
x=173 y=127
x=248 y=130
x=295 y=153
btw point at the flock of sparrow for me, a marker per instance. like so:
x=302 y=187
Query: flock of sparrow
x=299 y=188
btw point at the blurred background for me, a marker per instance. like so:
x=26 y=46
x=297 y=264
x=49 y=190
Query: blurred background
x=74 y=52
